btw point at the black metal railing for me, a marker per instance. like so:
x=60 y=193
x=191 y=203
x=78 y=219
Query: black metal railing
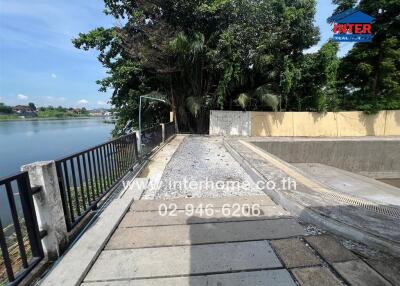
x=151 y=138
x=21 y=248
x=86 y=177
x=169 y=130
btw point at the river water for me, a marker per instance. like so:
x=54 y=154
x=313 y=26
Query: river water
x=24 y=142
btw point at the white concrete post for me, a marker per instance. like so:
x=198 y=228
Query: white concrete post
x=163 y=132
x=139 y=143
x=48 y=206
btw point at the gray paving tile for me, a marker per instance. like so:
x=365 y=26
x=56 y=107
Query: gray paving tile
x=315 y=276
x=183 y=260
x=388 y=268
x=153 y=205
x=256 y=278
x=140 y=237
x=294 y=253
x=358 y=273
x=330 y=249
x=154 y=218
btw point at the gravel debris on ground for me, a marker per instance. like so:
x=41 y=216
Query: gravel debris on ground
x=311 y=229
x=356 y=247
x=202 y=167
x=362 y=249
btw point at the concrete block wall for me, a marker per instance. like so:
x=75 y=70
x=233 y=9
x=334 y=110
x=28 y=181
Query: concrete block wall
x=304 y=124
x=230 y=123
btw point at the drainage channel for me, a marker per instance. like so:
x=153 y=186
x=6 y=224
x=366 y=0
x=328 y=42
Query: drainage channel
x=393 y=212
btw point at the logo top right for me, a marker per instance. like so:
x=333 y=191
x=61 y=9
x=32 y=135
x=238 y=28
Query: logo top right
x=352 y=26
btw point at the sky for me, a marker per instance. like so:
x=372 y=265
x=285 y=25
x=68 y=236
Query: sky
x=39 y=64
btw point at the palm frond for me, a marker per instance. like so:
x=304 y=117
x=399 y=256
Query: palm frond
x=180 y=44
x=267 y=97
x=193 y=104
x=243 y=100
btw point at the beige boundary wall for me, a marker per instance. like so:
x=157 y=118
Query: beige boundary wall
x=331 y=124
x=305 y=124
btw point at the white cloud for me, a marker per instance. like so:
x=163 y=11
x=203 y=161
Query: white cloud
x=101 y=102
x=22 y=97
x=53 y=75
x=83 y=102
x=62 y=98
x=312 y=50
x=49 y=97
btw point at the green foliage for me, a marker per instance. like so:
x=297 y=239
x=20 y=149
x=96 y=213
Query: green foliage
x=370 y=73
x=60 y=112
x=5 y=109
x=266 y=98
x=240 y=54
x=32 y=106
x=8 y=117
x=244 y=100
x=200 y=54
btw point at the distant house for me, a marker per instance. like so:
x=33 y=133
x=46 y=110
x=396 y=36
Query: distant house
x=24 y=110
x=101 y=112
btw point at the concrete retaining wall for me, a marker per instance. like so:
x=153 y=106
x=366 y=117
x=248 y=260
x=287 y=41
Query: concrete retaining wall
x=304 y=124
x=360 y=156
x=230 y=123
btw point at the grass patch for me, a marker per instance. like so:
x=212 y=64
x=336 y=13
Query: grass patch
x=58 y=114
x=5 y=117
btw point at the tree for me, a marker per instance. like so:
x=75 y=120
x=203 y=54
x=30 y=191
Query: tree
x=370 y=73
x=200 y=55
x=5 y=109
x=317 y=83
x=32 y=106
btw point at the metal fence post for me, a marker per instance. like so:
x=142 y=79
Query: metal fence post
x=49 y=208
x=163 y=132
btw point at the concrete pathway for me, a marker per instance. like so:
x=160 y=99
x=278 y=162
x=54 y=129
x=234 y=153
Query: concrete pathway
x=262 y=248
x=210 y=237
x=202 y=168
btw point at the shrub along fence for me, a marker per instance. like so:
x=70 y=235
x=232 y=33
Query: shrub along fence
x=48 y=201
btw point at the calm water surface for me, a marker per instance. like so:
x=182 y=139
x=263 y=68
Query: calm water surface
x=24 y=142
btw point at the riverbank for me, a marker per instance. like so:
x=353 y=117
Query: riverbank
x=19 y=118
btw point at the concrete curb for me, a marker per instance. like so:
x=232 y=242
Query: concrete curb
x=313 y=217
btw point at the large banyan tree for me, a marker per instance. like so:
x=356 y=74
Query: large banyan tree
x=211 y=54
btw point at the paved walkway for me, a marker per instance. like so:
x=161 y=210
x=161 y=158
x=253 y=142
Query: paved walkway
x=268 y=247
x=211 y=237
x=202 y=167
